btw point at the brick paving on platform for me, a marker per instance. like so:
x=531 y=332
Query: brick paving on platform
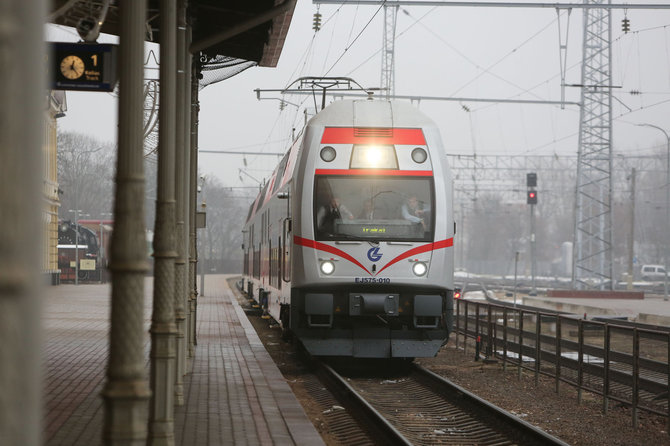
x=234 y=393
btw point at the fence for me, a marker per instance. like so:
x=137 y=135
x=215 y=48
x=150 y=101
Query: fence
x=622 y=363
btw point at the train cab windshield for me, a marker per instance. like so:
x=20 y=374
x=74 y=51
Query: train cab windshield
x=374 y=208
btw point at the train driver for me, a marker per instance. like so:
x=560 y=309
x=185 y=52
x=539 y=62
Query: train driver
x=327 y=215
x=414 y=211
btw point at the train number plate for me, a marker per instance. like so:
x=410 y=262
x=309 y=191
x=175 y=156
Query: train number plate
x=373 y=280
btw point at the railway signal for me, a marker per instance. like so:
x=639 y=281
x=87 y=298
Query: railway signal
x=532 y=197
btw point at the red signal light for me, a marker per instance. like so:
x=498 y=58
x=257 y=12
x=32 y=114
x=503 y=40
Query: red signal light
x=457 y=293
x=532 y=197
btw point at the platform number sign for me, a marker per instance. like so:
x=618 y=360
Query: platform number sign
x=83 y=66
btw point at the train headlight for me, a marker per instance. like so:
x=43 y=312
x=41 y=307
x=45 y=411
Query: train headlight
x=419 y=155
x=419 y=268
x=327 y=267
x=373 y=157
x=328 y=154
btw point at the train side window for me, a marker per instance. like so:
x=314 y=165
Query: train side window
x=280 y=172
x=286 y=248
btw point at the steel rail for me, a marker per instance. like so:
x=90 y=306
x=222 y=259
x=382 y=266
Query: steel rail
x=533 y=434
x=477 y=410
x=390 y=435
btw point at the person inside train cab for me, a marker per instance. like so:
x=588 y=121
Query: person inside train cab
x=414 y=211
x=327 y=215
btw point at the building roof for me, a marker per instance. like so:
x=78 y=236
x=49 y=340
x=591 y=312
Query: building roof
x=250 y=30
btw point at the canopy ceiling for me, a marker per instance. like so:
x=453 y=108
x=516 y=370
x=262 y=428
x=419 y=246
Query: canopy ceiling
x=241 y=29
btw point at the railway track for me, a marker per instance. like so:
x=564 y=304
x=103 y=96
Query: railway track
x=421 y=408
x=408 y=405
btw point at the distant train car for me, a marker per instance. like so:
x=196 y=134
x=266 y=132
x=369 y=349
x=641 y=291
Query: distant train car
x=68 y=251
x=350 y=243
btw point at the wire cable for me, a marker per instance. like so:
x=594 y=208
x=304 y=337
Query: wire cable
x=487 y=70
x=355 y=39
x=396 y=38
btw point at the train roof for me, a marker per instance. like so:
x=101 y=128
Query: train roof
x=372 y=113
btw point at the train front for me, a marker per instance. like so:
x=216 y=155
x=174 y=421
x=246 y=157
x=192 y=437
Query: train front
x=375 y=238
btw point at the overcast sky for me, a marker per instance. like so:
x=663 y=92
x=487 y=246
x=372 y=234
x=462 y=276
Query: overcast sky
x=444 y=51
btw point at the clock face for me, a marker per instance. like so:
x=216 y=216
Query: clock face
x=72 y=67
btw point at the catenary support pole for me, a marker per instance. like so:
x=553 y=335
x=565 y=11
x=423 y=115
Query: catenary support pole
x=533 y=252
x=163 y=325
x=22 y=88
x=126 y=392
x=631 y=235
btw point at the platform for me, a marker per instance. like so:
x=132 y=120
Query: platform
x=234 y=393
x=653 y=309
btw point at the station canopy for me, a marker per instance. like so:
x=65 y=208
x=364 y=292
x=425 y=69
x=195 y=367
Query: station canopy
x=229 y=36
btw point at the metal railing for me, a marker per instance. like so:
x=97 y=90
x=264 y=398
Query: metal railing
x=622 y=363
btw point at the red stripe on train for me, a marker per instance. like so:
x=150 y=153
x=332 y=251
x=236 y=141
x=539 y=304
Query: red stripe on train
x=331 y=249
x=384 y=172
x=327 y=248
x=419 y=250
x=347 y=135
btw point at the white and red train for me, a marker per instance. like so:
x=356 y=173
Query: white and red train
x=349 y=245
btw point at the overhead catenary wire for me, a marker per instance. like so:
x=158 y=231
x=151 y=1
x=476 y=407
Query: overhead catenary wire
x=541 y=84
x=398 y=36
x=276 y=141
x=339 y=58
x=475 y=64
x=615 y=118
x=300 y=66
x=355 y=39
x=521 y=45
x=578 y=64
x=513 y=51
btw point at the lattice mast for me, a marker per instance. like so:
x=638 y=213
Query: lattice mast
x=388 y=51
x=592 y=254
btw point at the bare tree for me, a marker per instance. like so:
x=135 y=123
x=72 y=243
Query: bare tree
x=219 y=244
x=85 y=175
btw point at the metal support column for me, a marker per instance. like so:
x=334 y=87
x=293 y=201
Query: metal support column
x=533 y=251
x=631 y=236
x=388 y=51
x=22 y=88
x=195 y=108
x=126 y=392
x=592 y=255
x=187 y=188
x=163 y=326
x=180 y=186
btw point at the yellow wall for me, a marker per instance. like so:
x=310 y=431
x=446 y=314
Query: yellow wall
x=50 y=187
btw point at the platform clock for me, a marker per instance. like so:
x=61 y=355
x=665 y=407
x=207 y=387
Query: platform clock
x=83 y=66
x=72 y=67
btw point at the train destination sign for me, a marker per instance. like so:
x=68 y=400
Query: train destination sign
x=83 y=66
